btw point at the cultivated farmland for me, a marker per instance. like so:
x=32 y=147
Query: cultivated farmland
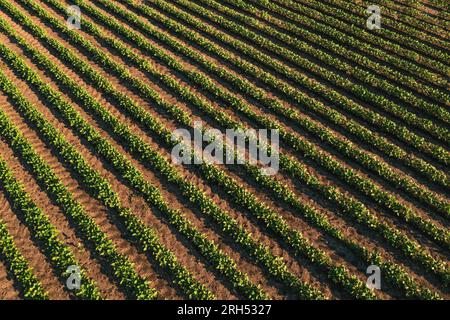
x=93 y=206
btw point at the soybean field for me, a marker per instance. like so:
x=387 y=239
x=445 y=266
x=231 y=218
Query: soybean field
x=94 y=206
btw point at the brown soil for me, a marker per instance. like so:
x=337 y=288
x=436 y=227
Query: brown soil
x=350 y=164
x=22 y=237
x=184 y=250
x=7 y=290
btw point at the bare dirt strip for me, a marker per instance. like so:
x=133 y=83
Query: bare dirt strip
x=184 y=250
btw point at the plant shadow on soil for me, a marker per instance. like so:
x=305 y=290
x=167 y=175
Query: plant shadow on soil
x=108 y=131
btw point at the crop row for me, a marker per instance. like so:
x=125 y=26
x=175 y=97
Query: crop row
x=217 y=115
x=356 y=25
x=434 y=9
x=439 y=6
x=342 y=82
x=413 y=17
x=300 y=244
x=361 y=213
x=396 y=25
x=124 y=168
x=248 y=88
x=300 y=145
x=16 y=264
x=123 y=269
x=135 y=178
x=294 y=167
x=38 y=223
x=411 y=13
x=343 y=36
x=145 y=235
x=347 y=53
x=438 y=9
x=373 y=118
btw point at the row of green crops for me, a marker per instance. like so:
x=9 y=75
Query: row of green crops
x=410 y=16
x=84 y=69
x=405 y=30
x=336 y=274
x=382 y=123
x=344 y=36
x=300 y=145
x=349 y=206
x=16 y=264
x=210 y=250
x=335 y=15
x=438 y=4
x=342 y=82
x=248 y=88
x=95 y=77
x=440 y=8
x=413 y=15
x=38 y=223
x=347 y=53
x=122 y=268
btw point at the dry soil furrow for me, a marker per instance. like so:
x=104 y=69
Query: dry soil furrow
x=20 y=232
x=8 y=290
x=124 y=193
x=123 y=89
x=423 y=214
x=260 y=109
x=96 y=210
